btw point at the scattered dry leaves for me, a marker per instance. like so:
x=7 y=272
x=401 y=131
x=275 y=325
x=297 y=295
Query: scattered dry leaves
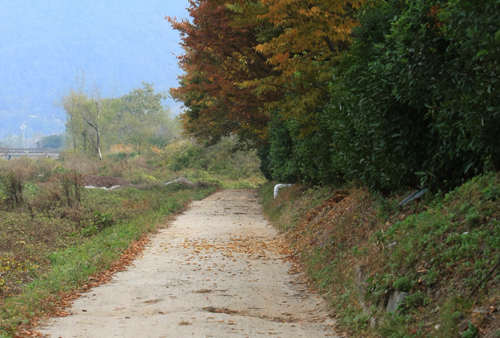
x=65 y=300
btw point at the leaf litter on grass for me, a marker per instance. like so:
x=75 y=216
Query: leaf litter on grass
x=65 y=299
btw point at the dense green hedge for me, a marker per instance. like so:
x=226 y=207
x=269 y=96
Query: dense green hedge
x=292 y=157
x=415 y=101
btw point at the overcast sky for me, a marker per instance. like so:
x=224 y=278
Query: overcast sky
x=46 y=44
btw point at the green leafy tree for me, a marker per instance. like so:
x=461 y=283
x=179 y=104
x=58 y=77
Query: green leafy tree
x=143 y=119
x=74 y=123
x=52 y=142
x=414 y=102
x=418 y=101
x=97 y=113
x=89 y=116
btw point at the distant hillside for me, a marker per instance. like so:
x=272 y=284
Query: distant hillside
x=46 y=44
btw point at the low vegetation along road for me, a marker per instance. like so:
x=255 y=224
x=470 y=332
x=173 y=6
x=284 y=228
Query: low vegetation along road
x=219 y=270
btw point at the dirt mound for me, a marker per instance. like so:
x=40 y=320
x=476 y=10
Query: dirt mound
x=104 y=181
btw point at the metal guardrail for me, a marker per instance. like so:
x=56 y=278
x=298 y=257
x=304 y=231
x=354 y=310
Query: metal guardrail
x=8 y=153
x=30 y=150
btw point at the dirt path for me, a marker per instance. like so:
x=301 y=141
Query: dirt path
x=216 y=271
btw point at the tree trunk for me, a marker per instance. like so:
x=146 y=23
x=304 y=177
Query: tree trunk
x=98 y=145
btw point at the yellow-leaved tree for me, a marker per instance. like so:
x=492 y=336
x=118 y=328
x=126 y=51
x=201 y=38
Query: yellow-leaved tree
x=301 y=39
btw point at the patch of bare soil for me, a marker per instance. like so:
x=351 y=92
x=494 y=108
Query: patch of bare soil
x=493 y=329
x=104 y=181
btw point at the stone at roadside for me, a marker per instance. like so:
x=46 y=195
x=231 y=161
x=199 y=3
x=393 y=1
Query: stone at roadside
x=360 y=277
x=395 y=299
x=374 y=322
x=180 y=180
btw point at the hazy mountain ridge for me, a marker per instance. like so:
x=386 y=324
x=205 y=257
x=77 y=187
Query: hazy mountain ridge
x=45 y=45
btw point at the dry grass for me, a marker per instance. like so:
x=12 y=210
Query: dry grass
x=438 y=250
x=82 y=164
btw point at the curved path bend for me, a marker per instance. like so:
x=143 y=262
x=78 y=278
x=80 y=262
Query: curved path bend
x=219 y=270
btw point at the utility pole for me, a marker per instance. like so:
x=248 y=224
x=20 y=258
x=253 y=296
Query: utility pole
x=23 y=128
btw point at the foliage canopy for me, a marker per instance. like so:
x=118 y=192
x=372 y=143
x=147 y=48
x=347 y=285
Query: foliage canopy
x=136 y=119
x=390 y=94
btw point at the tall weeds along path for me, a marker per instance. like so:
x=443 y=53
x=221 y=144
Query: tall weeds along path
x=219 y=270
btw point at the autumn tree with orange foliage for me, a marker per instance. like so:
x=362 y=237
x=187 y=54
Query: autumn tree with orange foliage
x=217 y=56
x=309 y=37
x=244 y=59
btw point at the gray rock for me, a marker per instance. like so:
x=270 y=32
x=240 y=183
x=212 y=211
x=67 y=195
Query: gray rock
x=392 y=244
x=180 y=180
x=480 y=310
x=277 y=188
x=395 y=299
x=374 y=322
x=104 y=188
x=360 y=277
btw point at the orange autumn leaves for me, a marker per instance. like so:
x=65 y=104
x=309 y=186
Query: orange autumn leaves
x=216 y=57
x=243 y=59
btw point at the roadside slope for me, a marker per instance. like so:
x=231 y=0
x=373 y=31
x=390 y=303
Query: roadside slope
x=425 y=269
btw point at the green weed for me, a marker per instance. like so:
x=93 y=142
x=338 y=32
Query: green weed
x=71 y=234
x=438 y=250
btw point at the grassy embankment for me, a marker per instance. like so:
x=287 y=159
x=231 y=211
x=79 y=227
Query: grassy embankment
x=56 y=237
x=49 y=253
x=441 y=250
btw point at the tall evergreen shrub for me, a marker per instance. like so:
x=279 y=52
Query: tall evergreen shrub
x=417 y=99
